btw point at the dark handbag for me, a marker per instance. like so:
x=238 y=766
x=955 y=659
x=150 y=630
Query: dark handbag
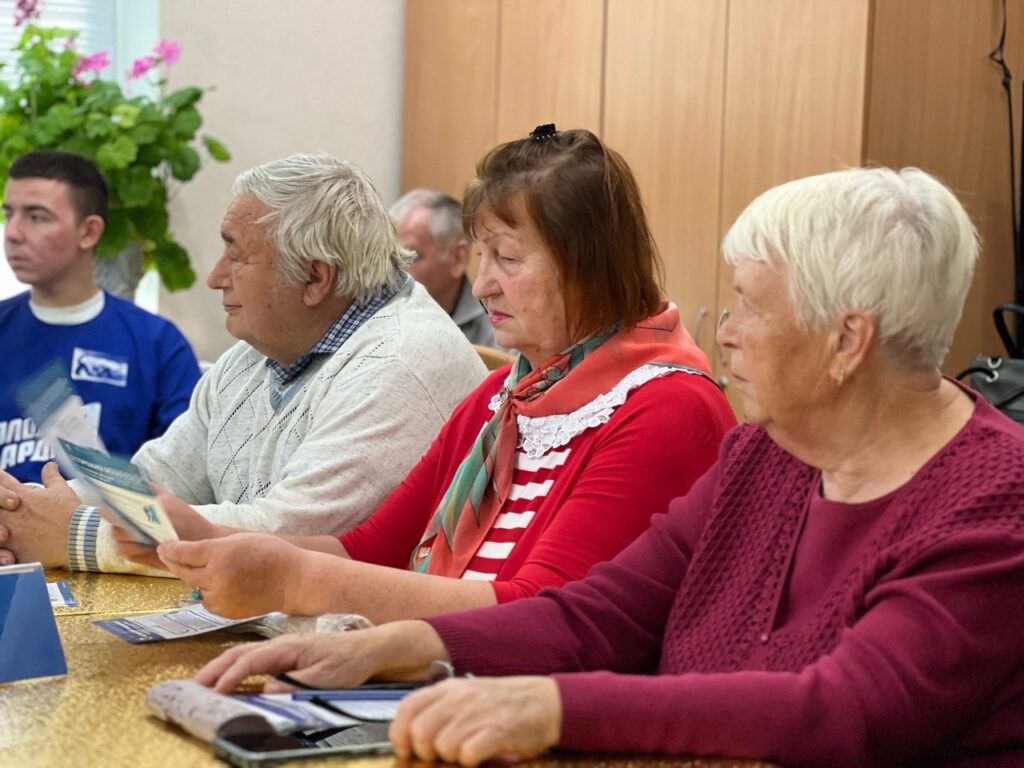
x=1000 y=380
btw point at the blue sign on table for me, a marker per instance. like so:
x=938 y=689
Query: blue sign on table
x=29 y=643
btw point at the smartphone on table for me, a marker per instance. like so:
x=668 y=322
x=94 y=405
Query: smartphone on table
x=258 y=750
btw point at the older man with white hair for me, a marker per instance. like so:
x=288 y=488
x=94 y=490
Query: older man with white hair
x=344 y=371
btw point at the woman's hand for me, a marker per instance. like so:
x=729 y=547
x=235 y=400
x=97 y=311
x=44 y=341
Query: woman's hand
x=130 y=549
x=468 y=721
x=325 y=661
x=242 y=575
x=188 y=524
x=400 y=651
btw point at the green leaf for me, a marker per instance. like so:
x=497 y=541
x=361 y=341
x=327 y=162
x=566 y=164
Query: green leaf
x=97 y=126
x=116 y=235
x=187 y=122
x=125 y=115
x=118 y=153
x=150 y=155
x=144 y=133
x=136 y=187
x=17 y=145
x=172 y=263
x=217 y=150
x=8 y=125
x=182 y=98
x=57 y=120
x=184 y=163
x=102 y=96
x=79 y=144
x=151 y=220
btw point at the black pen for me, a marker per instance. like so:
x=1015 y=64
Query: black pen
x=288 y=679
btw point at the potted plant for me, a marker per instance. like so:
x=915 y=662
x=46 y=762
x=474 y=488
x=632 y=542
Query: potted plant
x=142 y=145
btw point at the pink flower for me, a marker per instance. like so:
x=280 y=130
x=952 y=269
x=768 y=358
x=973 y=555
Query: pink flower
x=93 y=63
x=168 y=52
x=141 y=66
x=25 y=10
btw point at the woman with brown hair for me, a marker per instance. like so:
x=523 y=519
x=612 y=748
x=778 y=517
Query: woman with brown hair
x=552 y=464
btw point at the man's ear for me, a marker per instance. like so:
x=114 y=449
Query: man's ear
x=320 y=277
x=90 y=231
x=855 y=336
x=458 y=259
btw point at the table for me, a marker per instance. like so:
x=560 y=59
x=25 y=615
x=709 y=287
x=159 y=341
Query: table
x=97 y=714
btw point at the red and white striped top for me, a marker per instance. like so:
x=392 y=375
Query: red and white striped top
x=545 y=445
x=531 y=481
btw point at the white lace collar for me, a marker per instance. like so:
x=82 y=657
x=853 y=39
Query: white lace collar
x=541 y=434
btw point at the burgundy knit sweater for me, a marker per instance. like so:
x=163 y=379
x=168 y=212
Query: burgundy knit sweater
x=756 y=619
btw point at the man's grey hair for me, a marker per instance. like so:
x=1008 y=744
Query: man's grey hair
x=325 y=209
x=445 y=220
x=898 y=245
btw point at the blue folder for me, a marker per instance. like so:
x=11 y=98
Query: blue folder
x=29 y=643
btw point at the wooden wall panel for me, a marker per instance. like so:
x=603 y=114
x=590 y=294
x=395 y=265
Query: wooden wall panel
x=550 y=65
x=451 y=70
x=794 y=98
x=664 y=80
x=937 y=102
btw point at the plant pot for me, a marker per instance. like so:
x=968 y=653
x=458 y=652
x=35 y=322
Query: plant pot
x=121 y=274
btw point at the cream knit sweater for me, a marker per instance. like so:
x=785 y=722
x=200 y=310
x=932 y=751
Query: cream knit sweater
x=347 y=432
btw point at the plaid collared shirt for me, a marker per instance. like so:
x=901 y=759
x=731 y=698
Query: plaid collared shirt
x=339 y=332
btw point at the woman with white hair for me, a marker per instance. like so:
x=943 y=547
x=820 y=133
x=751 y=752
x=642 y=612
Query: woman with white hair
x=843 y=588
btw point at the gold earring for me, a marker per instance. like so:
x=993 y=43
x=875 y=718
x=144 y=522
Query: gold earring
x=839 y=379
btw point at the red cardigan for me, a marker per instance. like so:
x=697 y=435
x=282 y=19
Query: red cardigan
x=757 y=620
x=653 y=448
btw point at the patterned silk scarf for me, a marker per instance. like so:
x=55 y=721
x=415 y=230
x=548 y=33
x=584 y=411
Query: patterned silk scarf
x=483 y=480
x=493 y=455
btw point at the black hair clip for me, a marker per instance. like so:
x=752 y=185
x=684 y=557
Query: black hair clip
x=542 y=132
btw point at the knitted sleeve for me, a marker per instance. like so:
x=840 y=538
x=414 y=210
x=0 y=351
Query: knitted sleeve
x=181 y=451
x=937 y=645
x=612 y=619
x=356 y=448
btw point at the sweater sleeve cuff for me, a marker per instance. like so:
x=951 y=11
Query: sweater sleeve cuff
x=82 y=531
x=581 y=716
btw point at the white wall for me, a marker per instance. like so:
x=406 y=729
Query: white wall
x=290 y=76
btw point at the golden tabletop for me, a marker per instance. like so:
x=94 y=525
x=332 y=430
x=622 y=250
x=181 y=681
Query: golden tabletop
x=109 y=593
x=97 y=714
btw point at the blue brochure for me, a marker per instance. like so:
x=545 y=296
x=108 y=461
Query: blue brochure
x=29 y=643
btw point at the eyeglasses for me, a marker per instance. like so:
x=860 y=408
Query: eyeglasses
x=722 y=318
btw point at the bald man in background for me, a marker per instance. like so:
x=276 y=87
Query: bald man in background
x=429 y=222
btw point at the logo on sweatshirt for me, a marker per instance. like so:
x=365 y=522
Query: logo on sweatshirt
x=99 y=368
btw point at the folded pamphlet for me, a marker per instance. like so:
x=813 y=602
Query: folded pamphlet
x=63 y=421
x=207 y=715
x=174 y=624
x=60 y=594
x=124 y=491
